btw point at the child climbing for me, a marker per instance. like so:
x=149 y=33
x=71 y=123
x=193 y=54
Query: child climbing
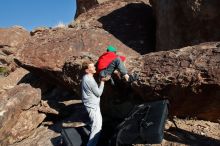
x=109 y=63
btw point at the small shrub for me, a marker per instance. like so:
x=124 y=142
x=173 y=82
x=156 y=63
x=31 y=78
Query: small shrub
x=4 y=71
x=60 y=25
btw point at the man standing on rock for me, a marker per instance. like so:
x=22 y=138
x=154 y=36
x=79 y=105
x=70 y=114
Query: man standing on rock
x=91 y=99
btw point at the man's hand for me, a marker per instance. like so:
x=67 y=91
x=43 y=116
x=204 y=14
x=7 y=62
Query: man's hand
x=106 y=78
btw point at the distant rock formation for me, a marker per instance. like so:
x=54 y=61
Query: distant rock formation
x=186 y=22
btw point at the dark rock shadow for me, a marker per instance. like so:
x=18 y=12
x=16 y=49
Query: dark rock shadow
x=189 y=138
x=49 y=90
x=134 y=25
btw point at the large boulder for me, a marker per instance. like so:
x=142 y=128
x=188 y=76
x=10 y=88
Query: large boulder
x=187 y=22
x=13 y=37
x=19 y=113
x=189 y=77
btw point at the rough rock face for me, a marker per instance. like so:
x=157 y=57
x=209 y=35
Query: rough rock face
x=84 y=5
x=189 y=77
x=51 y=48
x=188 y=22
x=18 y=113
x=13 y=37
x=42 y=136
x=12 y=80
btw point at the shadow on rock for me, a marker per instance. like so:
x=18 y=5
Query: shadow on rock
x=134 y=25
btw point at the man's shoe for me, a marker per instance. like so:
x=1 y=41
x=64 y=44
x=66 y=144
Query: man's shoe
x=133 y=77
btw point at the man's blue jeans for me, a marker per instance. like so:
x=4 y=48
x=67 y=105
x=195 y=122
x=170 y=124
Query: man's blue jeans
x=116 y=64
x=96 y=125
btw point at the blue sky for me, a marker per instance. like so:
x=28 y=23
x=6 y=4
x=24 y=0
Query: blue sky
x=35 y=13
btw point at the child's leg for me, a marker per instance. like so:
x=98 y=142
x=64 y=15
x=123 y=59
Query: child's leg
x=116 y=64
